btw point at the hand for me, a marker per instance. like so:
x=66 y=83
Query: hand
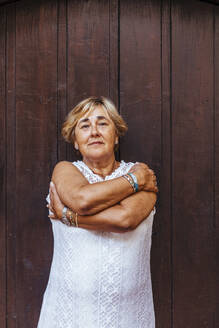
x=56 y=206
x=146 y=178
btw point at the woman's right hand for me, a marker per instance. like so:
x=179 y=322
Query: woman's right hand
x=146 y=178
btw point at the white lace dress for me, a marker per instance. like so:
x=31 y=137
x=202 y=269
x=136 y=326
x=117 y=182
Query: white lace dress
x=99 y=279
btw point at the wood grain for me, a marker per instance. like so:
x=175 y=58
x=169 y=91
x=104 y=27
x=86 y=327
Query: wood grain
x=3 y=165
x=11 y=168
x=161 y=263
x=114 y=51
x=192 y=171
x=142 y=63
x=158 y=61
x=36 y=151
x=215 y=273
x=62 y=75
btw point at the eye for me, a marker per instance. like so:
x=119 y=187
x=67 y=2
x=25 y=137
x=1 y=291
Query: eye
x=85 y=126
x=102 y=123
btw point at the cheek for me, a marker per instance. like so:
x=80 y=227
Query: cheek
x=80 y=137
x=112 y=139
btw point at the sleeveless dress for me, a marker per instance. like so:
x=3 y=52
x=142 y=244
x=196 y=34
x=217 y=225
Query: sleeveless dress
x=99 y=279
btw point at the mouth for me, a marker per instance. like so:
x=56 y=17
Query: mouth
x=95 y=143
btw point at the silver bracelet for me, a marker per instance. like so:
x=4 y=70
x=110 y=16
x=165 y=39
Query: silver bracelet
x=64 y=218
x=135 y=180
x=130 y=180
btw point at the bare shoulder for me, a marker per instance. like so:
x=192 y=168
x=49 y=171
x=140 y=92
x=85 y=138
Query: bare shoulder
x=65 y=170
x=63 y=164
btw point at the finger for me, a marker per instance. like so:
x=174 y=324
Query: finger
x=51 y=202
x=51 y=209
x=51 y=216
x=51 y=196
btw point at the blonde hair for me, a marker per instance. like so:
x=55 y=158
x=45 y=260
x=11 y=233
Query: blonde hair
x=85 y=107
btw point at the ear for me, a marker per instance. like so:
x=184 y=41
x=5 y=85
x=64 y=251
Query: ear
x=76 y=145
x=116 y=140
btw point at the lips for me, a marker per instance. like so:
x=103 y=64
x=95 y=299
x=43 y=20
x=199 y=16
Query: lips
x=96 y=143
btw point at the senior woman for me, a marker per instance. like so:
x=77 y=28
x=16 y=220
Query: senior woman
x=102 y=213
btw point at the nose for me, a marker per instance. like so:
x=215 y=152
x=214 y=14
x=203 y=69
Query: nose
x=94 y=130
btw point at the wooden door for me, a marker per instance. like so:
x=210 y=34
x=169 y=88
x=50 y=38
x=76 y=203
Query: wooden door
x=158 y=61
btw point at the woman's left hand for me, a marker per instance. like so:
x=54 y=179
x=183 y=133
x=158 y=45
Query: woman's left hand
x=56 y=205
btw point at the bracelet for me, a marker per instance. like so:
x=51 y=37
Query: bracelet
x=71 y=218
x=64 y=218
x=135 y=181
x=130 y=180
x=76 y=220
x=68 y=217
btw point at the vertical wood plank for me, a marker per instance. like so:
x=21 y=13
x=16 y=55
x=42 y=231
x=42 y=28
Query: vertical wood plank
x=62 y=74
x=216 y=168
x=11 y=168
x=192 y=96
x=36 y=151
x=140 y=71
x=113 y=51
x=141 y=58
x=88 y=52
x=2 y=169
x=162 y=241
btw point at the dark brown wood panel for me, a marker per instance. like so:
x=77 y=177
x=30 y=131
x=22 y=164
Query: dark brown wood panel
x=11 y=169
x=140 y=71
x=162 y=241
x=88 y=52
x=192 y=133
x=158 y=61
x=215 y=273
x=214 y=2
x=62 y=74
x=114 y=51
x=140 y=99
x=3 y=164
x=36 y=150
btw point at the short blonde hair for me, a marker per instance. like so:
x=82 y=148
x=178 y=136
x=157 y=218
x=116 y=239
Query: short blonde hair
x=85 y=107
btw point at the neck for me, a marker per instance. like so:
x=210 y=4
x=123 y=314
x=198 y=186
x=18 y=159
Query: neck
x=102 y=167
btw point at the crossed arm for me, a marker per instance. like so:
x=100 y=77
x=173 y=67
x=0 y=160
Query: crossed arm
x=106 y=206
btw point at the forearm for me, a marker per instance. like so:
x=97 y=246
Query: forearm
x=87 y=199
x=102 y=195
x=121 y=217
x=84 y=198
x=110 y=220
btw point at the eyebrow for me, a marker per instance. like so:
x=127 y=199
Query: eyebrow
x=98 y=117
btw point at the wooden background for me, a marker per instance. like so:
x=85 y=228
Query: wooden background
x=159 y=62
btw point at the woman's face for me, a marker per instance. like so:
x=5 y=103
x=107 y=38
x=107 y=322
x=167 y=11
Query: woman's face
x=95 y=135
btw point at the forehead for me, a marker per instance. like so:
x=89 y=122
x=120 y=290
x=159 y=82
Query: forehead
x=98 y=112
